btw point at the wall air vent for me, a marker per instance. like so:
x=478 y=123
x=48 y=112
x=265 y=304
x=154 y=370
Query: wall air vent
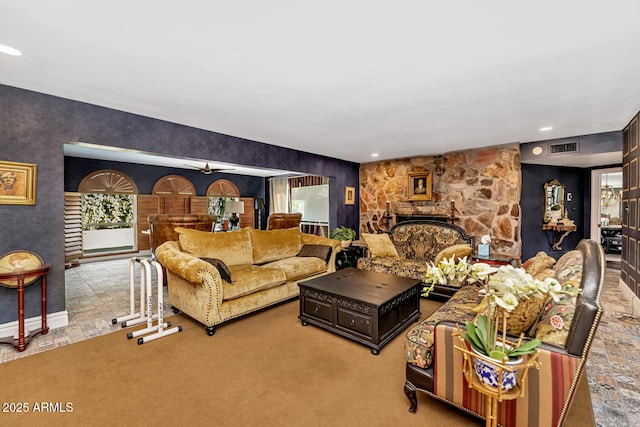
x=569 y=147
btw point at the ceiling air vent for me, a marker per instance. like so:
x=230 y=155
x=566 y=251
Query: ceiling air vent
x=569 y=147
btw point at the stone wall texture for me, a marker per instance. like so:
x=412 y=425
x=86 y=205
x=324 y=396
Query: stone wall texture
x=484 y=185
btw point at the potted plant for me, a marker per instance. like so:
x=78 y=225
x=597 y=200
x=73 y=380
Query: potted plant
x=451 y=272
x=507 y=290
x=344 y=234
x=484 y=340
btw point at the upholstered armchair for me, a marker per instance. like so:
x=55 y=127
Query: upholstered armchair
x=278 y=221
x=162 y=229
x=162 y=226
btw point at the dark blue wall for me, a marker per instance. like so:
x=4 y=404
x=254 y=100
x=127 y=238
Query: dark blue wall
x=577 y=182
x=33 y=129
x=145 y=177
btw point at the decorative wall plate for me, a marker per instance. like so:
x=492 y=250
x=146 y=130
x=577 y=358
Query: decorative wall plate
x=16 y=262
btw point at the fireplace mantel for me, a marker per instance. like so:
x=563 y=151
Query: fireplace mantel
x=433 y=217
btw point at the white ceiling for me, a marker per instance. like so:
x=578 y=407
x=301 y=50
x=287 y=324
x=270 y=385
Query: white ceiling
x=340 y=78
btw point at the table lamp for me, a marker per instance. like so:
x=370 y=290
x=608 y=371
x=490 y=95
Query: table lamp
x=258 y=205
x=234 y=207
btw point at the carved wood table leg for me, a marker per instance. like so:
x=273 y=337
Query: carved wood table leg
x=410 y=392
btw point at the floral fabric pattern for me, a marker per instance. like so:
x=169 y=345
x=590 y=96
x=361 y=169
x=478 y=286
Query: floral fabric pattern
x=421 y=242
x=569 y=268
x=395 y=266
x=554 y=324
x=420 y=338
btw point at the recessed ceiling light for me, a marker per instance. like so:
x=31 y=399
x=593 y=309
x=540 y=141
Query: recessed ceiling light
x=374 y=154
x=544 y=129
x=537 y=151
x=10 y=50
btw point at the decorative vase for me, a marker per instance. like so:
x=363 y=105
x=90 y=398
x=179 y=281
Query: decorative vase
x=345 y=243
x=524 y=315
x=488 y=372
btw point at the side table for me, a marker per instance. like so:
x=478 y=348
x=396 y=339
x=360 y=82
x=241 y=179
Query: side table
x=21 y=341
x=497 y=260
x=348 y=257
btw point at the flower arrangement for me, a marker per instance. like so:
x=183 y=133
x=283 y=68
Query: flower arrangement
x=455 y=271
x=508 y=286
x=107 y=211
x=505 y=290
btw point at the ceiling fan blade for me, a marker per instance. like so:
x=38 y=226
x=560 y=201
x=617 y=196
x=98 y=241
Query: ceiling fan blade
x=207 y=169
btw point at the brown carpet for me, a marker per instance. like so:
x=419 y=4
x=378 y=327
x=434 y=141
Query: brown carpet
x=264 y=370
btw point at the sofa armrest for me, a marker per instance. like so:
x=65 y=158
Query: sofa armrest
x=548 y=390
x=313 y=239
x=184 y=265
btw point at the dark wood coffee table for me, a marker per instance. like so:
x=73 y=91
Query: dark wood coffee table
x=367 y=307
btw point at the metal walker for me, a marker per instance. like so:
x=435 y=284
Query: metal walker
x=145 y=314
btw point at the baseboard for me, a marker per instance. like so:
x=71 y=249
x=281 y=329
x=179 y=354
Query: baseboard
x=54 y=320
x=629 y=295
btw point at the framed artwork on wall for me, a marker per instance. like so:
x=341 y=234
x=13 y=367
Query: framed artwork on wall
x=419 y=185
x=17 y=183
x=349 y=195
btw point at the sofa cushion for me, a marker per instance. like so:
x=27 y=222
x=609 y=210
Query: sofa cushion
x=248 y=279
x=419 y=339
x=455 y=252
x=272 y=245
x=296 y=267
x=221 y=267
x=233 y=247
x=396 y=266
x=380 y=245
x=319 y=251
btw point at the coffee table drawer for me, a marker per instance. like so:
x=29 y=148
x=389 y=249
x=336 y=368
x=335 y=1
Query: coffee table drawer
x=318 y=309
x=355 y=322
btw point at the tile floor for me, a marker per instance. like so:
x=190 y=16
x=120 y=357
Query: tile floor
x=99 y=291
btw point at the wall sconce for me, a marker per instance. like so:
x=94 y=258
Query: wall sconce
x=438 y=166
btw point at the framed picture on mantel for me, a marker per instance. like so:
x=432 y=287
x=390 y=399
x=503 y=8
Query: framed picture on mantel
x=17 y=183
x=419 y=185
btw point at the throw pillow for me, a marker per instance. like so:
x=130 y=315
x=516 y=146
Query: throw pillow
x=538 y=263
x=319 y=251
x=553 y=326
x=221 y=266
x=455 y=252
x=380 y=245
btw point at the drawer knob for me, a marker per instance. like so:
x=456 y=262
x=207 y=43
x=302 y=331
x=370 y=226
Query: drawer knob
x=353 y=322
x=317 y=309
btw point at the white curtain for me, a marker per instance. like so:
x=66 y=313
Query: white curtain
x=279 y=195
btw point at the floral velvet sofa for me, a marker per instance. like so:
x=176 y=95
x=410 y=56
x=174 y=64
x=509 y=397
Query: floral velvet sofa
x=414 y=243
x=566 y=329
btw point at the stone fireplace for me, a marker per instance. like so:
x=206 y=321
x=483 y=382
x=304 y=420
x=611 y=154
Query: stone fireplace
x=483 y=186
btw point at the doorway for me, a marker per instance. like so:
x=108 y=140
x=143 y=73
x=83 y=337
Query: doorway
x=606 y=212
